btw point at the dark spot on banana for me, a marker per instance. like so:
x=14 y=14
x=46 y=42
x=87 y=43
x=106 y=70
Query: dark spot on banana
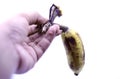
x=77 y=56
x=66 y=42
x=83 y=56
x=78 y=35
x=72 y=65
x=83 y=53
x=72 y=40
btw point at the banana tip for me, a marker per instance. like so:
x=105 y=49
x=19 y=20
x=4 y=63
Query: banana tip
x=76 y=74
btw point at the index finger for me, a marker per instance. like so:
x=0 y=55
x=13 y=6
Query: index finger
x=34 y=18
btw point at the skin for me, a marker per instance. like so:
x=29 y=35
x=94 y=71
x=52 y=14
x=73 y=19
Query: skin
x=18 y=51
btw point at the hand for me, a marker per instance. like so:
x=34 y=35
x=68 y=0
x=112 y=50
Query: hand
x=19 y=51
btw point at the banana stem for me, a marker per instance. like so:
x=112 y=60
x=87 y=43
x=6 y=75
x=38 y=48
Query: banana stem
x=63 y=28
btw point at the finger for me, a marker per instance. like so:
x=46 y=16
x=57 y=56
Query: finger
x=33 y=37
x=39 y=52
x=34 y=18
x=36 y=41
x=31 y=52
x=58 y=32
x=32 y=29
x=44 y=44
x=52 y=32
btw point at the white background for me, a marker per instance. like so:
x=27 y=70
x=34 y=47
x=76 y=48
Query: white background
x=97 y=22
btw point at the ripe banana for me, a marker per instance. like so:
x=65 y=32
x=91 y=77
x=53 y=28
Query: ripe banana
x=74 y=50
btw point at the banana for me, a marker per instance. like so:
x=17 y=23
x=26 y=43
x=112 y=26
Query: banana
x=74 y=50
